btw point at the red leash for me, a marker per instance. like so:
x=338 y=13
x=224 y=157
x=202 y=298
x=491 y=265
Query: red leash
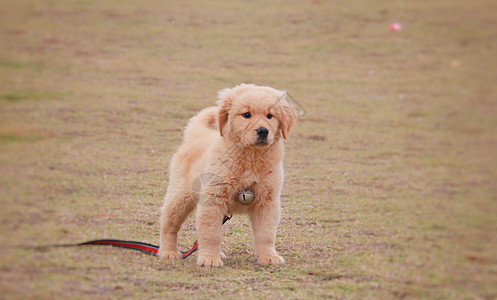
x=139 y=246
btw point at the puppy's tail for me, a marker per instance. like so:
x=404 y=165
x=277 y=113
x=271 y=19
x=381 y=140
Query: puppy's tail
x=202 y=121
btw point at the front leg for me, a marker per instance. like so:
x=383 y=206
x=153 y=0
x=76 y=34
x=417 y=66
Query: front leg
x=265 y=219
x=209 y=227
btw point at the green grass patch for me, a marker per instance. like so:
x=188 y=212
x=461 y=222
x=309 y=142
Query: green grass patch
x=17 y=138
x=21 y=95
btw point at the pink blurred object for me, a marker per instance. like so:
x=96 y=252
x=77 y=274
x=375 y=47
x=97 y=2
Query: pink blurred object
x=395 y=27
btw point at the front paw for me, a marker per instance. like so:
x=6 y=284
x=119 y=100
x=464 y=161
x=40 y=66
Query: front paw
x=170 y=254
x=271 y=260
x=209 y=261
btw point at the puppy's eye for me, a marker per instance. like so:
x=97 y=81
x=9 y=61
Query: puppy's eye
x=269 y=116
x=246 y=115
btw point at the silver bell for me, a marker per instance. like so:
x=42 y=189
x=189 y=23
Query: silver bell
x=246 y=197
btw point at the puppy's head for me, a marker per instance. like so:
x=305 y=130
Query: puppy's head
x=254 y=115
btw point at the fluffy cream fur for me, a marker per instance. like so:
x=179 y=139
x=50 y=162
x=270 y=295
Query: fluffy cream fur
x=211 y=167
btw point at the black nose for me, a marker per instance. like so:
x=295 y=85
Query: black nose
x=262 y=132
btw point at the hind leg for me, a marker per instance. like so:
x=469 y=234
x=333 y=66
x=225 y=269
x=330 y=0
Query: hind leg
x=177 y=207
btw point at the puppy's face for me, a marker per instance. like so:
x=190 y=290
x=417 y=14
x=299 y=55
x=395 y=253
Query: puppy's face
x=254 y=115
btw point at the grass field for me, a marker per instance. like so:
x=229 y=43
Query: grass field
x=390 y=188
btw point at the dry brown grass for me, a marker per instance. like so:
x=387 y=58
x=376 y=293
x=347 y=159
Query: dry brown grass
x=390 y=177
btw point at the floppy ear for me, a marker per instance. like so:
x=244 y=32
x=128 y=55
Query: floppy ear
x=224 y=103
x=287 y=117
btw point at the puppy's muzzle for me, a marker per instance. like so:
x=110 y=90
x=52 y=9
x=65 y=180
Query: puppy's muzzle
x=262 y=134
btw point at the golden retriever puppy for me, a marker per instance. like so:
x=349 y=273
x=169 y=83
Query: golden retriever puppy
x=212 y=166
